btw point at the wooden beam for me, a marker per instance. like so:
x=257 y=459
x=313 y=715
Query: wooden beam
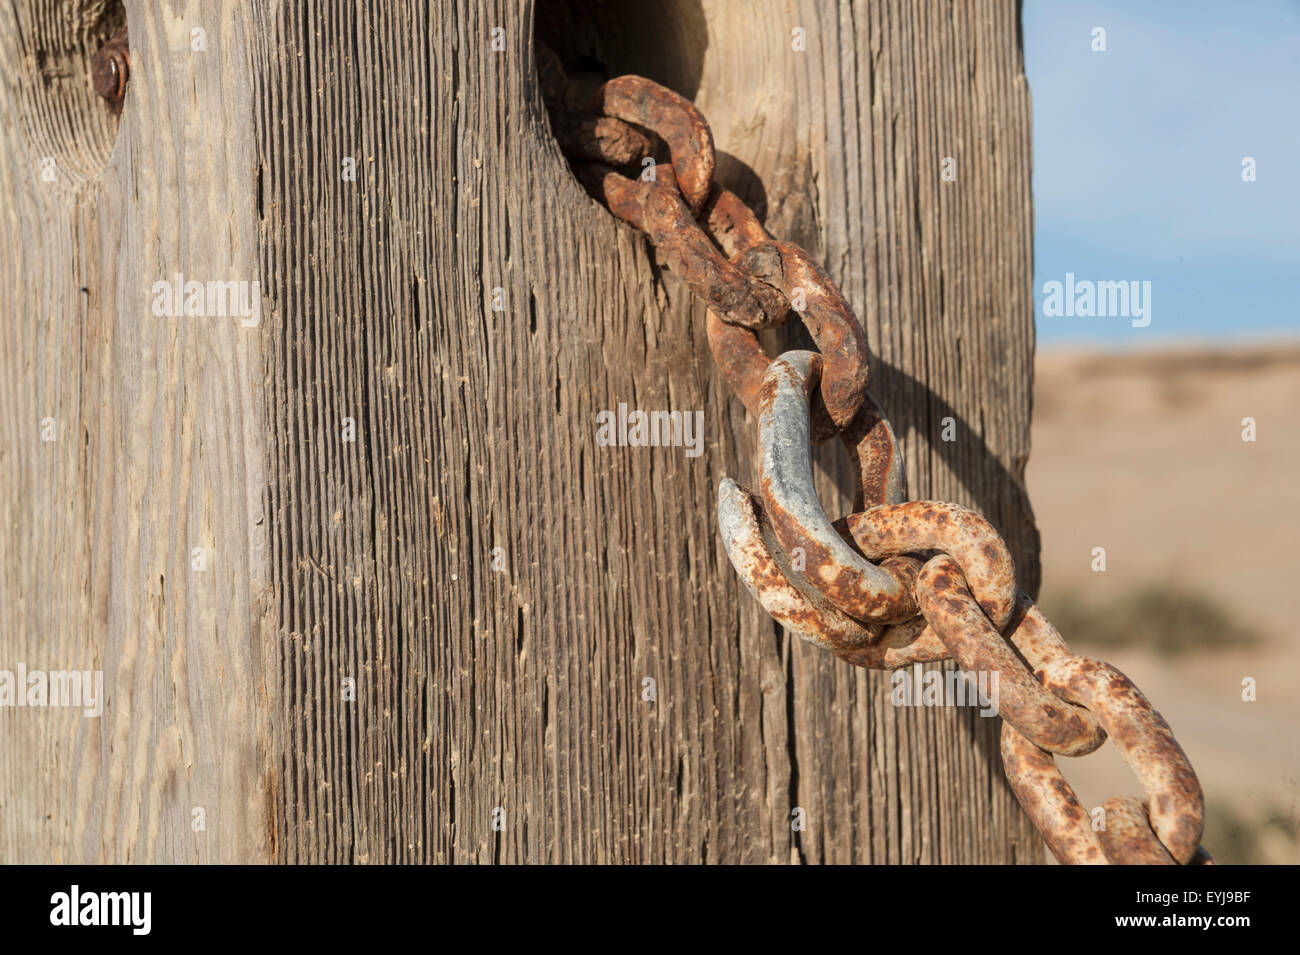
x=396 y=471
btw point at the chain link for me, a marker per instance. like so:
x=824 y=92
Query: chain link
x=896 y=582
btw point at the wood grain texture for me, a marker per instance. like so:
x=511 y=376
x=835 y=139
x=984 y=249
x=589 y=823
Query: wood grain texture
x=159 y=447
x=478 y=688
x=521 y=688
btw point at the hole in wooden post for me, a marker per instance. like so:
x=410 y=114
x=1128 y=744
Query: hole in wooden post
x=69 y=129
x=664 y=41
x=582 y=43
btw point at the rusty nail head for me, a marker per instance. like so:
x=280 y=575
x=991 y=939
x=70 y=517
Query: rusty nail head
x=111 y=68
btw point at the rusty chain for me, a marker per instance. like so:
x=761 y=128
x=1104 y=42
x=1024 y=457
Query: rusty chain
x=866 y=587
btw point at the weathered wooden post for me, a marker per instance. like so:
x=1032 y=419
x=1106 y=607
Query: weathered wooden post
x=361 y=583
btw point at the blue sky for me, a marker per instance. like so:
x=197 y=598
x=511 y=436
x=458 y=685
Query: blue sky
x=1138 y=161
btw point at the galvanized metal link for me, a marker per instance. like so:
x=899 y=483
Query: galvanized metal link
x=897 y=582
x=765 y=570
x=858 y=587
x=788 y=599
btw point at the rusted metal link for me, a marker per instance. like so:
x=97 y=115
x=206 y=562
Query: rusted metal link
x=581 y=135
x=732 y=224
x=877 y=460
x=658 y=210
x=736 y=350
x=1134 y=842
x=1052 y=805
x=817 y=578
x=599 y=138
x=1051 y=723
x=1034 y=636
x=1127 y=837
x=1145 y=741
x=677 y=122
x=901 y=645
x=791 y=602
x=957 y=531
x=833 y=327
x=740 y=358
x=1049 y=801
x=859 y=588
x=825 y=312
x=111 y=69
x=767 y=574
